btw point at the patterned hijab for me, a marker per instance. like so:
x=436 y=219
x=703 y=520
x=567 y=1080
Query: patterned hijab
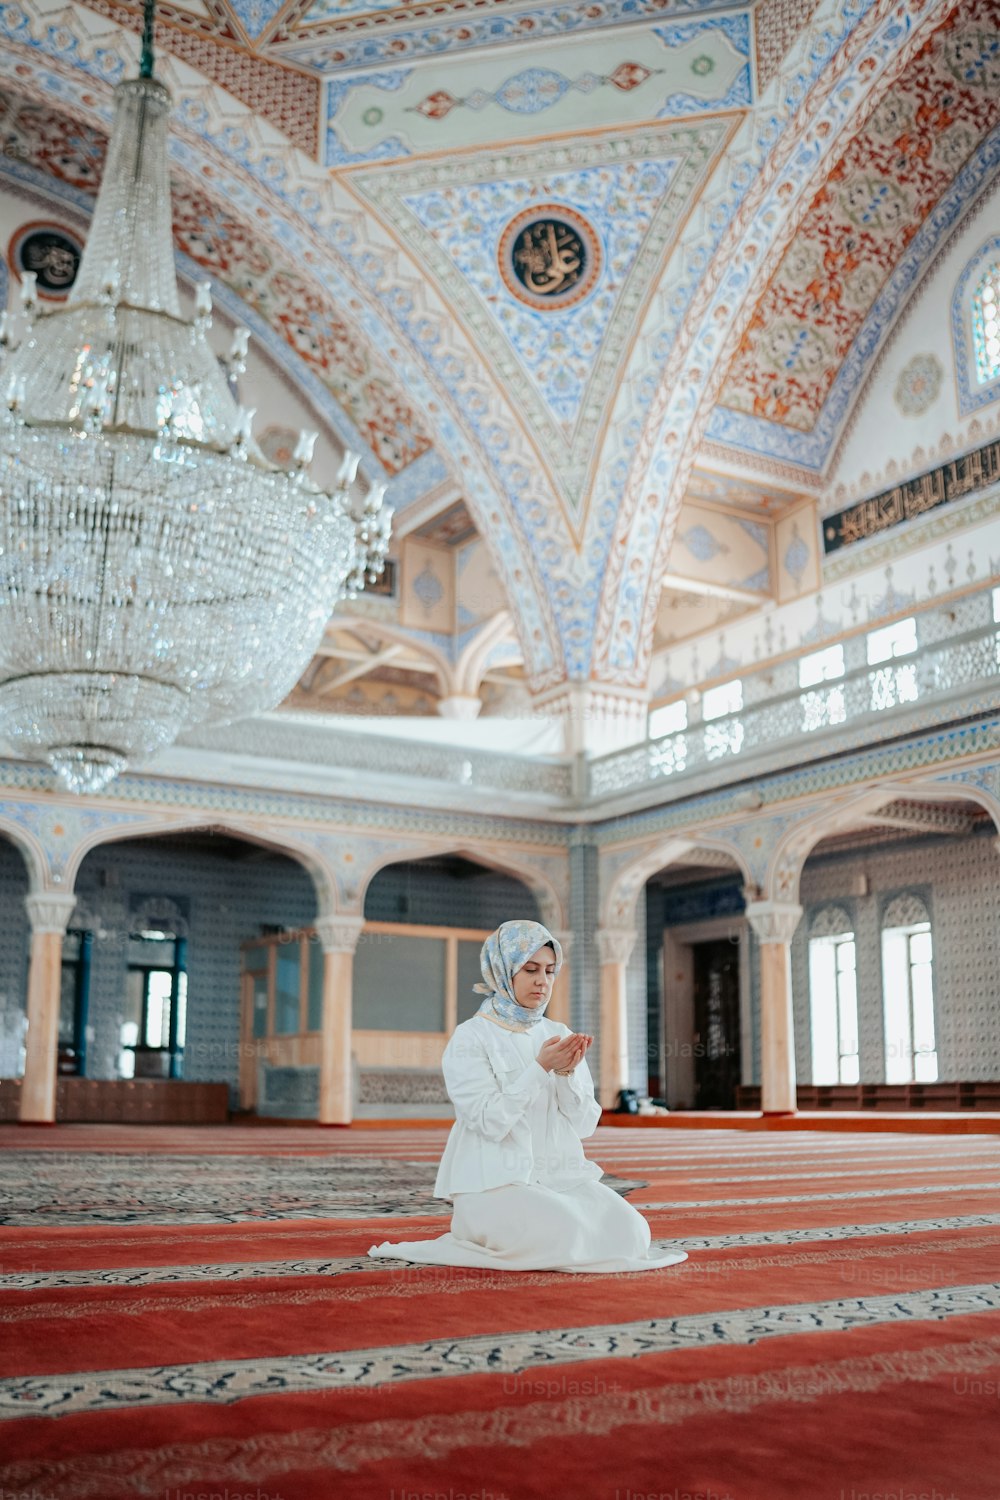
x=505 y=952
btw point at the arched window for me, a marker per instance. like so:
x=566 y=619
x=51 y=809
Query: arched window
x=975 y=328
x=833 y=997
x=986 y=325
x=908 y=992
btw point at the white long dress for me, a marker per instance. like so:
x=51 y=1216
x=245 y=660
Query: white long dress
x=525 y=1198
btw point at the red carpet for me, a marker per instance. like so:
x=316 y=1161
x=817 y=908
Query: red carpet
x=207 y=1325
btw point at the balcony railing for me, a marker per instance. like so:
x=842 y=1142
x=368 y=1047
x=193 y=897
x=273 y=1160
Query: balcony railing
x=953 y=672
x=957 y=660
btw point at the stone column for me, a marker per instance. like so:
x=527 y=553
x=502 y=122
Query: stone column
x=614 y=947
x=49 y=914
x=774 y=922
x=339 y=936
x=558 y=1008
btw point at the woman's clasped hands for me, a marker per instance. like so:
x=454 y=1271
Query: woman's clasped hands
x=560 y=1054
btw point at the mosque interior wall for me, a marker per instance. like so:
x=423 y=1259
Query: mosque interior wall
x=227 y=898
x=957 y=880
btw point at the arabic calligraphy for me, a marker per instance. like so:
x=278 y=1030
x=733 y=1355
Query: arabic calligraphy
x=549 y=256
x=952 y=481
x=53 y=255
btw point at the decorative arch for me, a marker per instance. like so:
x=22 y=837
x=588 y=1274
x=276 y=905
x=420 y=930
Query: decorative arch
x=472 y=663
x=31 y=850
x=973 y=392
x=905 y=910
x=154 y=908
x=552 y=904
x=618 y=908
x=389 y=631
x=280 y=841
x=791 y=852
x=658 y=459
x=830 y=921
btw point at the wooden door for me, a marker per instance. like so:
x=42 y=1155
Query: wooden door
x=716 y=1024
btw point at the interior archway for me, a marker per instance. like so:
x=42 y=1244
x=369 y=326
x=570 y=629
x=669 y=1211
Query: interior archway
x=702 y=1025
x=180 y=904
x=415 y=967
x=923 y=867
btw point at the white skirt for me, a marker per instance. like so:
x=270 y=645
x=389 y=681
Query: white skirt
x=527 y=1227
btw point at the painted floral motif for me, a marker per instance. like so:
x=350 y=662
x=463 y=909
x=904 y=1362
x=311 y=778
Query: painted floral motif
x=918 y=384
x=327 y=39
x=796 y=558
x=536 y=89
x=701 y=544
x=428 y=587
x=875 y=200
x=255 y=15
x=225 y=246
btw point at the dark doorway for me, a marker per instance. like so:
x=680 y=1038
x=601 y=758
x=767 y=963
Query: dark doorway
x=74 y=996
x=716 y=1024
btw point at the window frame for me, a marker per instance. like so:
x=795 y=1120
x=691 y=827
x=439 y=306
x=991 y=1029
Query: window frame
x=972 y=393
x=833 y=941
x=905 y=932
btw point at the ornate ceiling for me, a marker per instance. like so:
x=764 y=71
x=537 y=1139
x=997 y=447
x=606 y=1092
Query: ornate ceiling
x=574 y=265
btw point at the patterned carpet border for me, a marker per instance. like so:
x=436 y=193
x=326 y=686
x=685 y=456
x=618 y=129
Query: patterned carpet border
x=222 y=1382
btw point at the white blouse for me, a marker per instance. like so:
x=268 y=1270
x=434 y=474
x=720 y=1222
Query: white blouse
x=514 y=1121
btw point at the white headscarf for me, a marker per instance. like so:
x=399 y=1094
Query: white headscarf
x=505 y=952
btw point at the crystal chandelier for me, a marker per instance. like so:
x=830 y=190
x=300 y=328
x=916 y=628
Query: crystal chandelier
x=156 y=572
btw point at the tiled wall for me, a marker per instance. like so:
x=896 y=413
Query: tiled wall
x=959 y=882
x=635 y=994
x=226 y=901
x=448 y=893
x=13 y=958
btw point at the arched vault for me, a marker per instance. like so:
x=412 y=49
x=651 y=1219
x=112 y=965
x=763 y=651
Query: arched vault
x=575 y=486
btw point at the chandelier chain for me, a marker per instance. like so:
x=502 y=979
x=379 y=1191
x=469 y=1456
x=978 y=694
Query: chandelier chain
x=146 y=59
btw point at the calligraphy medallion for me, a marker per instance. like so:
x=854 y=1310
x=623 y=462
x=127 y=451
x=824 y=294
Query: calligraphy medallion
x=50 y=250
x=549 y=256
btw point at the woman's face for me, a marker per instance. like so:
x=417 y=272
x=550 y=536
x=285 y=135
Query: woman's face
x=533 y=981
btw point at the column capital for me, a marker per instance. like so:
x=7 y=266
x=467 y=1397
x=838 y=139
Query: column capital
x=339 y=932
x=50 y=911
x=773 y=921
x=464 y=706
x=615 y=944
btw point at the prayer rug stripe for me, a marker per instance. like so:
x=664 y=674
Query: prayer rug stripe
x=552 y=1409
x=240 y=1270
x=226 y=1381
